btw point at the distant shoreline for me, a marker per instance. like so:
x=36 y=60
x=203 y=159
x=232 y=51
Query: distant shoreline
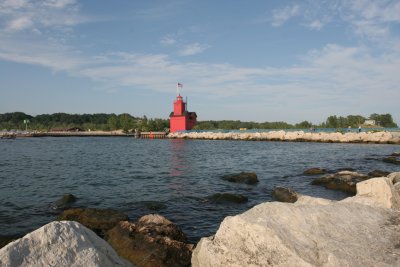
x=281 y=135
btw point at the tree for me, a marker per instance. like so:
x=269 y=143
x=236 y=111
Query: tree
x=113 y=122
x=332 y=122
x=384 y=120
x=304 y=125
x=355 y=120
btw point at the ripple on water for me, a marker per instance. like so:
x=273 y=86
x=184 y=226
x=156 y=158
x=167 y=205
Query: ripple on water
x=170 y=177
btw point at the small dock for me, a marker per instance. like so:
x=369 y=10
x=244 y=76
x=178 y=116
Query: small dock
x=153 y=135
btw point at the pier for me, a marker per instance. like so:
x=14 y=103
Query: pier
x=143 y=135
x=153 y=135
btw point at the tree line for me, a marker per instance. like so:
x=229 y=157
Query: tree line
x=127 y=122
x=354 y=121
x=93 y=122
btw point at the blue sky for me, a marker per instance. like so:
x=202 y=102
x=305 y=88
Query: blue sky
x=244 y=60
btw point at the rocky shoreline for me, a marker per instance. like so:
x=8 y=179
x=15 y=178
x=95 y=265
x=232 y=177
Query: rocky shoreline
x=361 y=230
x=296 y=136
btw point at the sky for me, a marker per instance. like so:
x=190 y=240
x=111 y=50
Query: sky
x=237 y=60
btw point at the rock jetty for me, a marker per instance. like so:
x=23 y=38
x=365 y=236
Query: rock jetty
x=296 y=136
x=363 y=230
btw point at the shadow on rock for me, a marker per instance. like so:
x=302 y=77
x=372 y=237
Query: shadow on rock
x=392 y=160
x=283 y=194
x=63 y=203
x=152 y=241
x=378 y=173
x=314 y=171
x=227 y=198
x=98 y=220
x=243 y=177
x=344 y=181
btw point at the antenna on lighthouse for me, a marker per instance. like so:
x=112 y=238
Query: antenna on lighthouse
x=178 y=85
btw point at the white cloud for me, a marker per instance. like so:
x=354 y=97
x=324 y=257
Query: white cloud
x=371 y=19
x=316 y=25
x=19 y=24
x=12 y=4
x=22 y=15
x=281 y=15
x=193 y=49
x=58 y=3
x=168 y=40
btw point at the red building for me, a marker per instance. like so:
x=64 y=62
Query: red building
x=181 y=119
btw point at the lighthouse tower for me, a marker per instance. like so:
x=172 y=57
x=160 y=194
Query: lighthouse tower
x=181 y=119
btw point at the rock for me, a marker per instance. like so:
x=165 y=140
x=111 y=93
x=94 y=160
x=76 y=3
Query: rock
x=395 y=177
x=344 y=233
x=152 y=241
x=300 y=136
x=283 y=194
x=344 y=181
x=395 y=154
x=377 y=192
x=5 y=239
x=314 y=171
x=392 y=160
x=346 y=169
x=378 y=173
x=95 y=219
x=397 y=188
x=63 y=203
x=60 y=244
x=243 y=177
x=227 y=197
x=307 y=200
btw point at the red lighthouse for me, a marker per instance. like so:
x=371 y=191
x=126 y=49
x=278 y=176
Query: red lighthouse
x=181 y=119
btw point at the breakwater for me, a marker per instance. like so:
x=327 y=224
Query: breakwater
x=119 y=133
x=296 y=136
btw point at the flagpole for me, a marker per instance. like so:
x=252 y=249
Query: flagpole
x=178 y=85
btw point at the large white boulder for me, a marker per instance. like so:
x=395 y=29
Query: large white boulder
x=377 y=192
x=310 y=233
x=394 y=177
x=64 y=243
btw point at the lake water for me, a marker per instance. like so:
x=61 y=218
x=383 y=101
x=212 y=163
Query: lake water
x=169 y=177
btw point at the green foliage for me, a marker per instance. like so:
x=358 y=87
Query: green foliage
x=384 y=120
x=304 y=125
x=100 y=121
x=343 y=122
x=232 y=125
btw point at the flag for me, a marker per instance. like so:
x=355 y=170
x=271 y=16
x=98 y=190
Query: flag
x=180 y=85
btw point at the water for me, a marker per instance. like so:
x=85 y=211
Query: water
x=172 y=176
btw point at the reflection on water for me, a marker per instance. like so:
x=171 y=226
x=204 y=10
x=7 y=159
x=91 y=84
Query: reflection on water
x=179 y=162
